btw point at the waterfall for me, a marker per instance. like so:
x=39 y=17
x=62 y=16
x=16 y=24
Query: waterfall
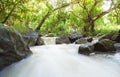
x=64 y=61
x=49 y=40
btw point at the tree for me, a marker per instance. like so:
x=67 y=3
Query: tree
x=92 y=12
x=9 y=10
x=50 y=11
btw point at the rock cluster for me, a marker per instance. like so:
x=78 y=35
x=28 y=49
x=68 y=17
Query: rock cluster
x=106 y=43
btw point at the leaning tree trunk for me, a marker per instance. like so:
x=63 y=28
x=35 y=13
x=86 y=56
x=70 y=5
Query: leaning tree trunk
x=51 y=11
x=42 y=21
x=11 y=11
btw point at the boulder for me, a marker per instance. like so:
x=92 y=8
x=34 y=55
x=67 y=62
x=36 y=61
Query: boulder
x=104 y=45
x=62 y=40
x=40 y=41
x=74 y=36
x=117 y=46
x=12 y=47
x=30 y=37
x=68 y=38
x=86 y=50
x=116 y=37
x=106 y=36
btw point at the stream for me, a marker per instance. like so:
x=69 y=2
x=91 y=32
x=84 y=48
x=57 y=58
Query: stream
x=64 y=61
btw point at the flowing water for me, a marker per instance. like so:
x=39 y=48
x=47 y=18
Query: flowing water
x=64 y=61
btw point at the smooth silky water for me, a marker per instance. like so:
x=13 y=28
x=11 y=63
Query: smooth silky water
x=64 y=61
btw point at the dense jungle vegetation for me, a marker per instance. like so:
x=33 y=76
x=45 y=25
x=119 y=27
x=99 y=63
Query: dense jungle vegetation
x=55 y=17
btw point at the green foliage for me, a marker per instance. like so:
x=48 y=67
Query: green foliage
x=19 y=28
x=71 y=18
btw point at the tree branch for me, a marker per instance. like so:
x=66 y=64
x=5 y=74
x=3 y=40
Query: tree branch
x=9 y=14
x=42 y=21
x=63 y=6
x=102 y=14
x=48 y=14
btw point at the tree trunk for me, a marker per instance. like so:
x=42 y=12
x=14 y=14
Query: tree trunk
x=92 y=25
x=9 y=14
x=49 y=12
x=42 y=21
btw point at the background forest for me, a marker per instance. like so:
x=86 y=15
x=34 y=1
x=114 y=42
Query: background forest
x=55 y=17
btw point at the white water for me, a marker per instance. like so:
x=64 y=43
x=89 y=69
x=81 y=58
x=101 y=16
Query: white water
x=64 y=61
x=49 y=40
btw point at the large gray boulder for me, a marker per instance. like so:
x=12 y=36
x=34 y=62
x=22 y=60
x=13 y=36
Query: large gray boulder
x=104 y=45
x=30 y=37
x=12 y=47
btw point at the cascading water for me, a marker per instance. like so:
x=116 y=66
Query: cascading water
x=64 y=61
x=49 y=40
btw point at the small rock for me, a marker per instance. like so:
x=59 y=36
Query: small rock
x=40 y=41
x=84 y=40
x=89 y=39
x=117 y=46
x=81 y=41
x=116 y=37
x=74 y=36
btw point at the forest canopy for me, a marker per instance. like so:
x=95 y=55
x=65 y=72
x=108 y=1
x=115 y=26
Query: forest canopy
x=61 y=16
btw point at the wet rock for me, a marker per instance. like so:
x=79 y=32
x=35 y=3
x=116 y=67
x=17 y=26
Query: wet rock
x=30 y=37
x=84 y=40
x=40 y=41
x=117 y=46
x=74 y=36
x=106 y=36
x=86 y=50
x=104 y=45
x=81 y=41
x=116 y=37
x=68 y=38
x=12 y=47
x=89 y=39
x=62 y=40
